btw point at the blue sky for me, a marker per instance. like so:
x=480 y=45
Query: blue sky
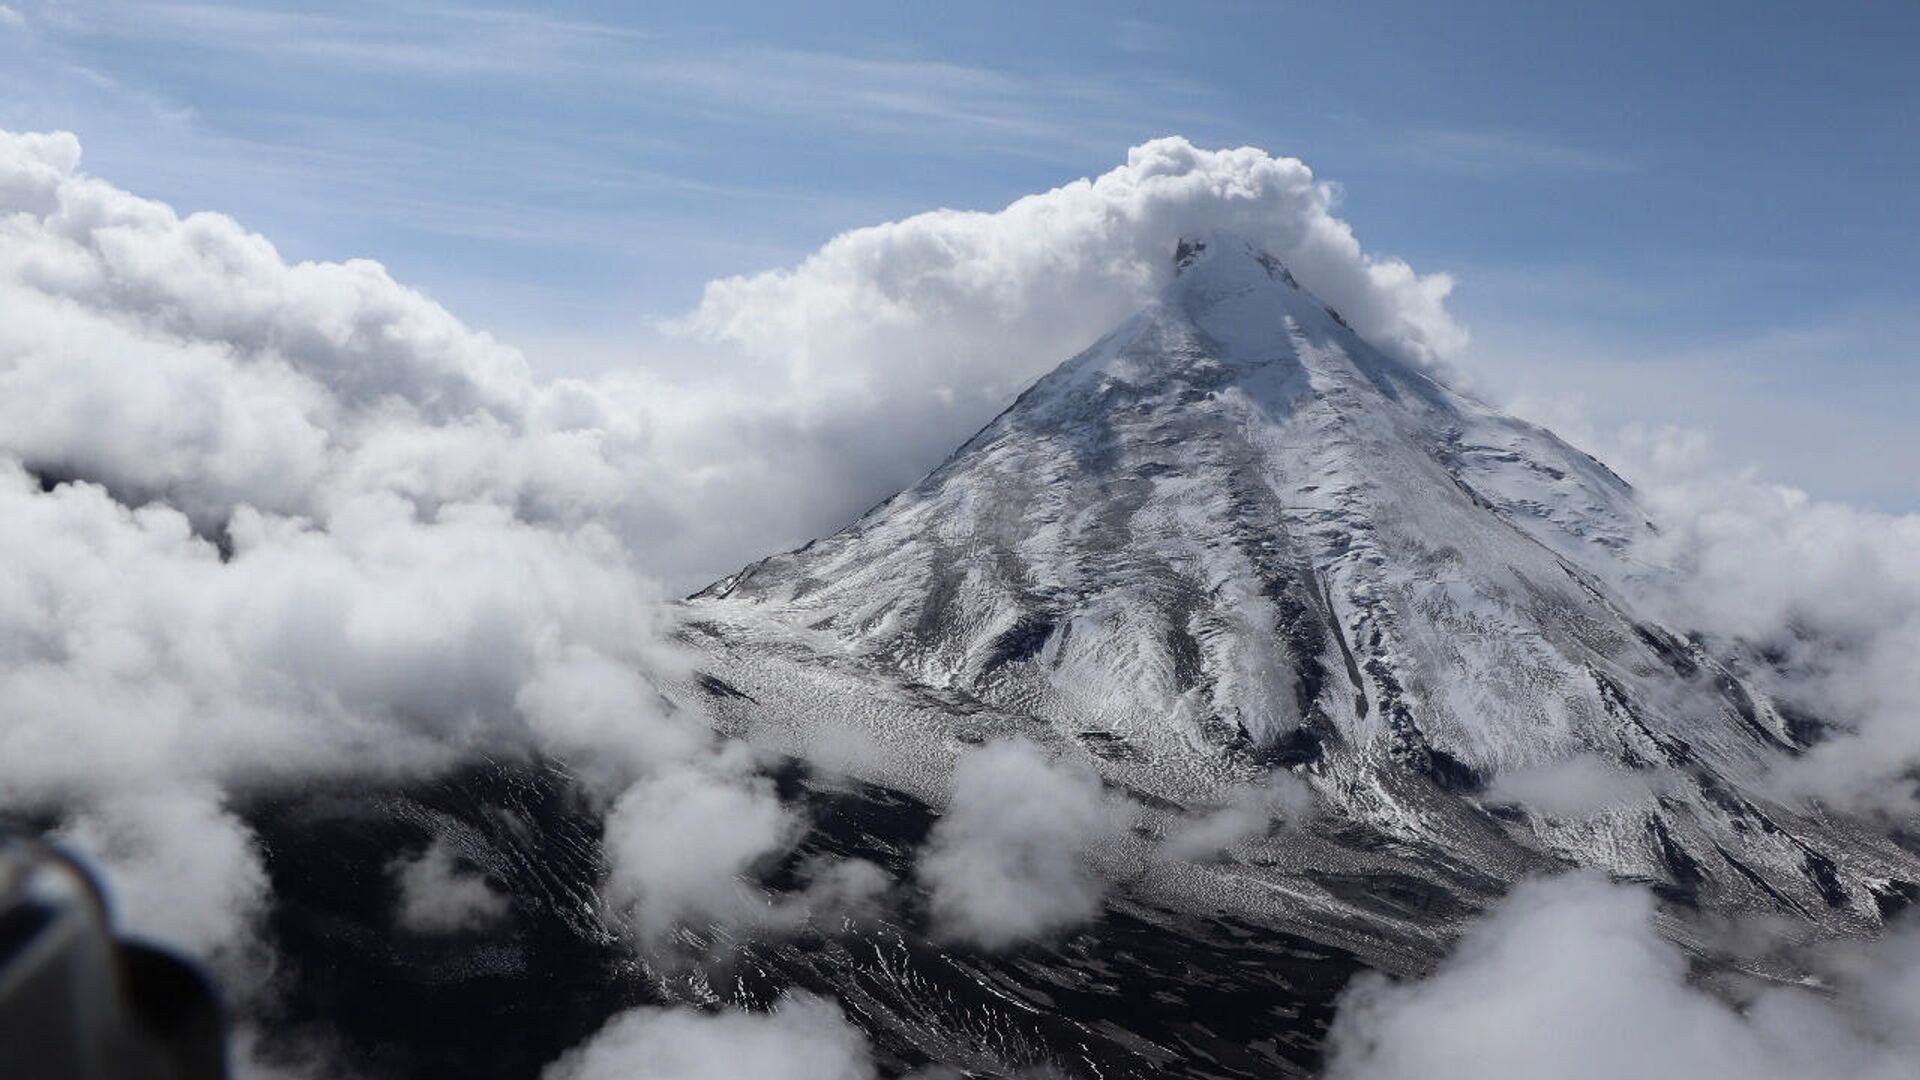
x=1698 y=213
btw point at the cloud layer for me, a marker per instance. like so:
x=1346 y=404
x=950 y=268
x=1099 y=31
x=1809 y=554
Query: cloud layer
x=261 y=523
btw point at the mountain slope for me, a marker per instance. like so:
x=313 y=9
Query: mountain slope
x=1232 y=537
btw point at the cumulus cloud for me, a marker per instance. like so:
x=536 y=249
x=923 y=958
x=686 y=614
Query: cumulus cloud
x=440 y=896
x=262 y=521
x=880 y=352
x=681 y=846
x=803 y=1038
x=1826 y=595
x=970 y=302
x=181 y=358
x=1253 y=811
x=1008 y=861
x=375 y=640
x=184 y=869
x=1568 y=978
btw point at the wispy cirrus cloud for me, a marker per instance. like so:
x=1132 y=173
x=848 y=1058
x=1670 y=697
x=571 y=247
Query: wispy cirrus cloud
x=726 y=79
x=551 y=136
x=902 y=96
x=436 y=41
x=1141 y=37
x=1495 y=152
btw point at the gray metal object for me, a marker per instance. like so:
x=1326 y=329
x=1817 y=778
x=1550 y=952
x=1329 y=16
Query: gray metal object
x=78 y=1003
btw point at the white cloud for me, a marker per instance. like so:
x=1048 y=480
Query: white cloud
x=1008 y=861
x=373 y=640
x=261 y=522
x=1284 y=800
x=87 y=247
x=804 y=1038
x=1830 y=590
x=1575 y=787
x=183 y=359
x=870 y=360
x=1568 y=978
x=11 y=18
x=184 y=871
x=1496 y=154
x=680 y=848
x=840 y=889
x=979 y=303
x=684 y=848
x=439 y=896
x=604 y=716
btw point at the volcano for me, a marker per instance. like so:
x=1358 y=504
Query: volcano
x=1230 y=541
x=1233 y=537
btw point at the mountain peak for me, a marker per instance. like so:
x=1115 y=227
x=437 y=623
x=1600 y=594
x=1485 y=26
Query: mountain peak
x=1261 y=297
x=1233 y=317
x=1218 y=251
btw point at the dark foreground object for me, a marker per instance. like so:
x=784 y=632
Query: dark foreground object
x=1143 y=992
x=79 y=1003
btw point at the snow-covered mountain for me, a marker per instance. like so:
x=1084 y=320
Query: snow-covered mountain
x=1230 y=543
x=1233 y=537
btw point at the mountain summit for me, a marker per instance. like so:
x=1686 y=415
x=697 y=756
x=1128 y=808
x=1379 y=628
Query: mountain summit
x=1233 y=537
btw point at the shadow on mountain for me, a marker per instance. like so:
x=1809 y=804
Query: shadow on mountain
x=1142 y=992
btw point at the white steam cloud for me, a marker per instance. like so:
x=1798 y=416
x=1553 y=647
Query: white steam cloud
x=860 y=368
x=1008 y=862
